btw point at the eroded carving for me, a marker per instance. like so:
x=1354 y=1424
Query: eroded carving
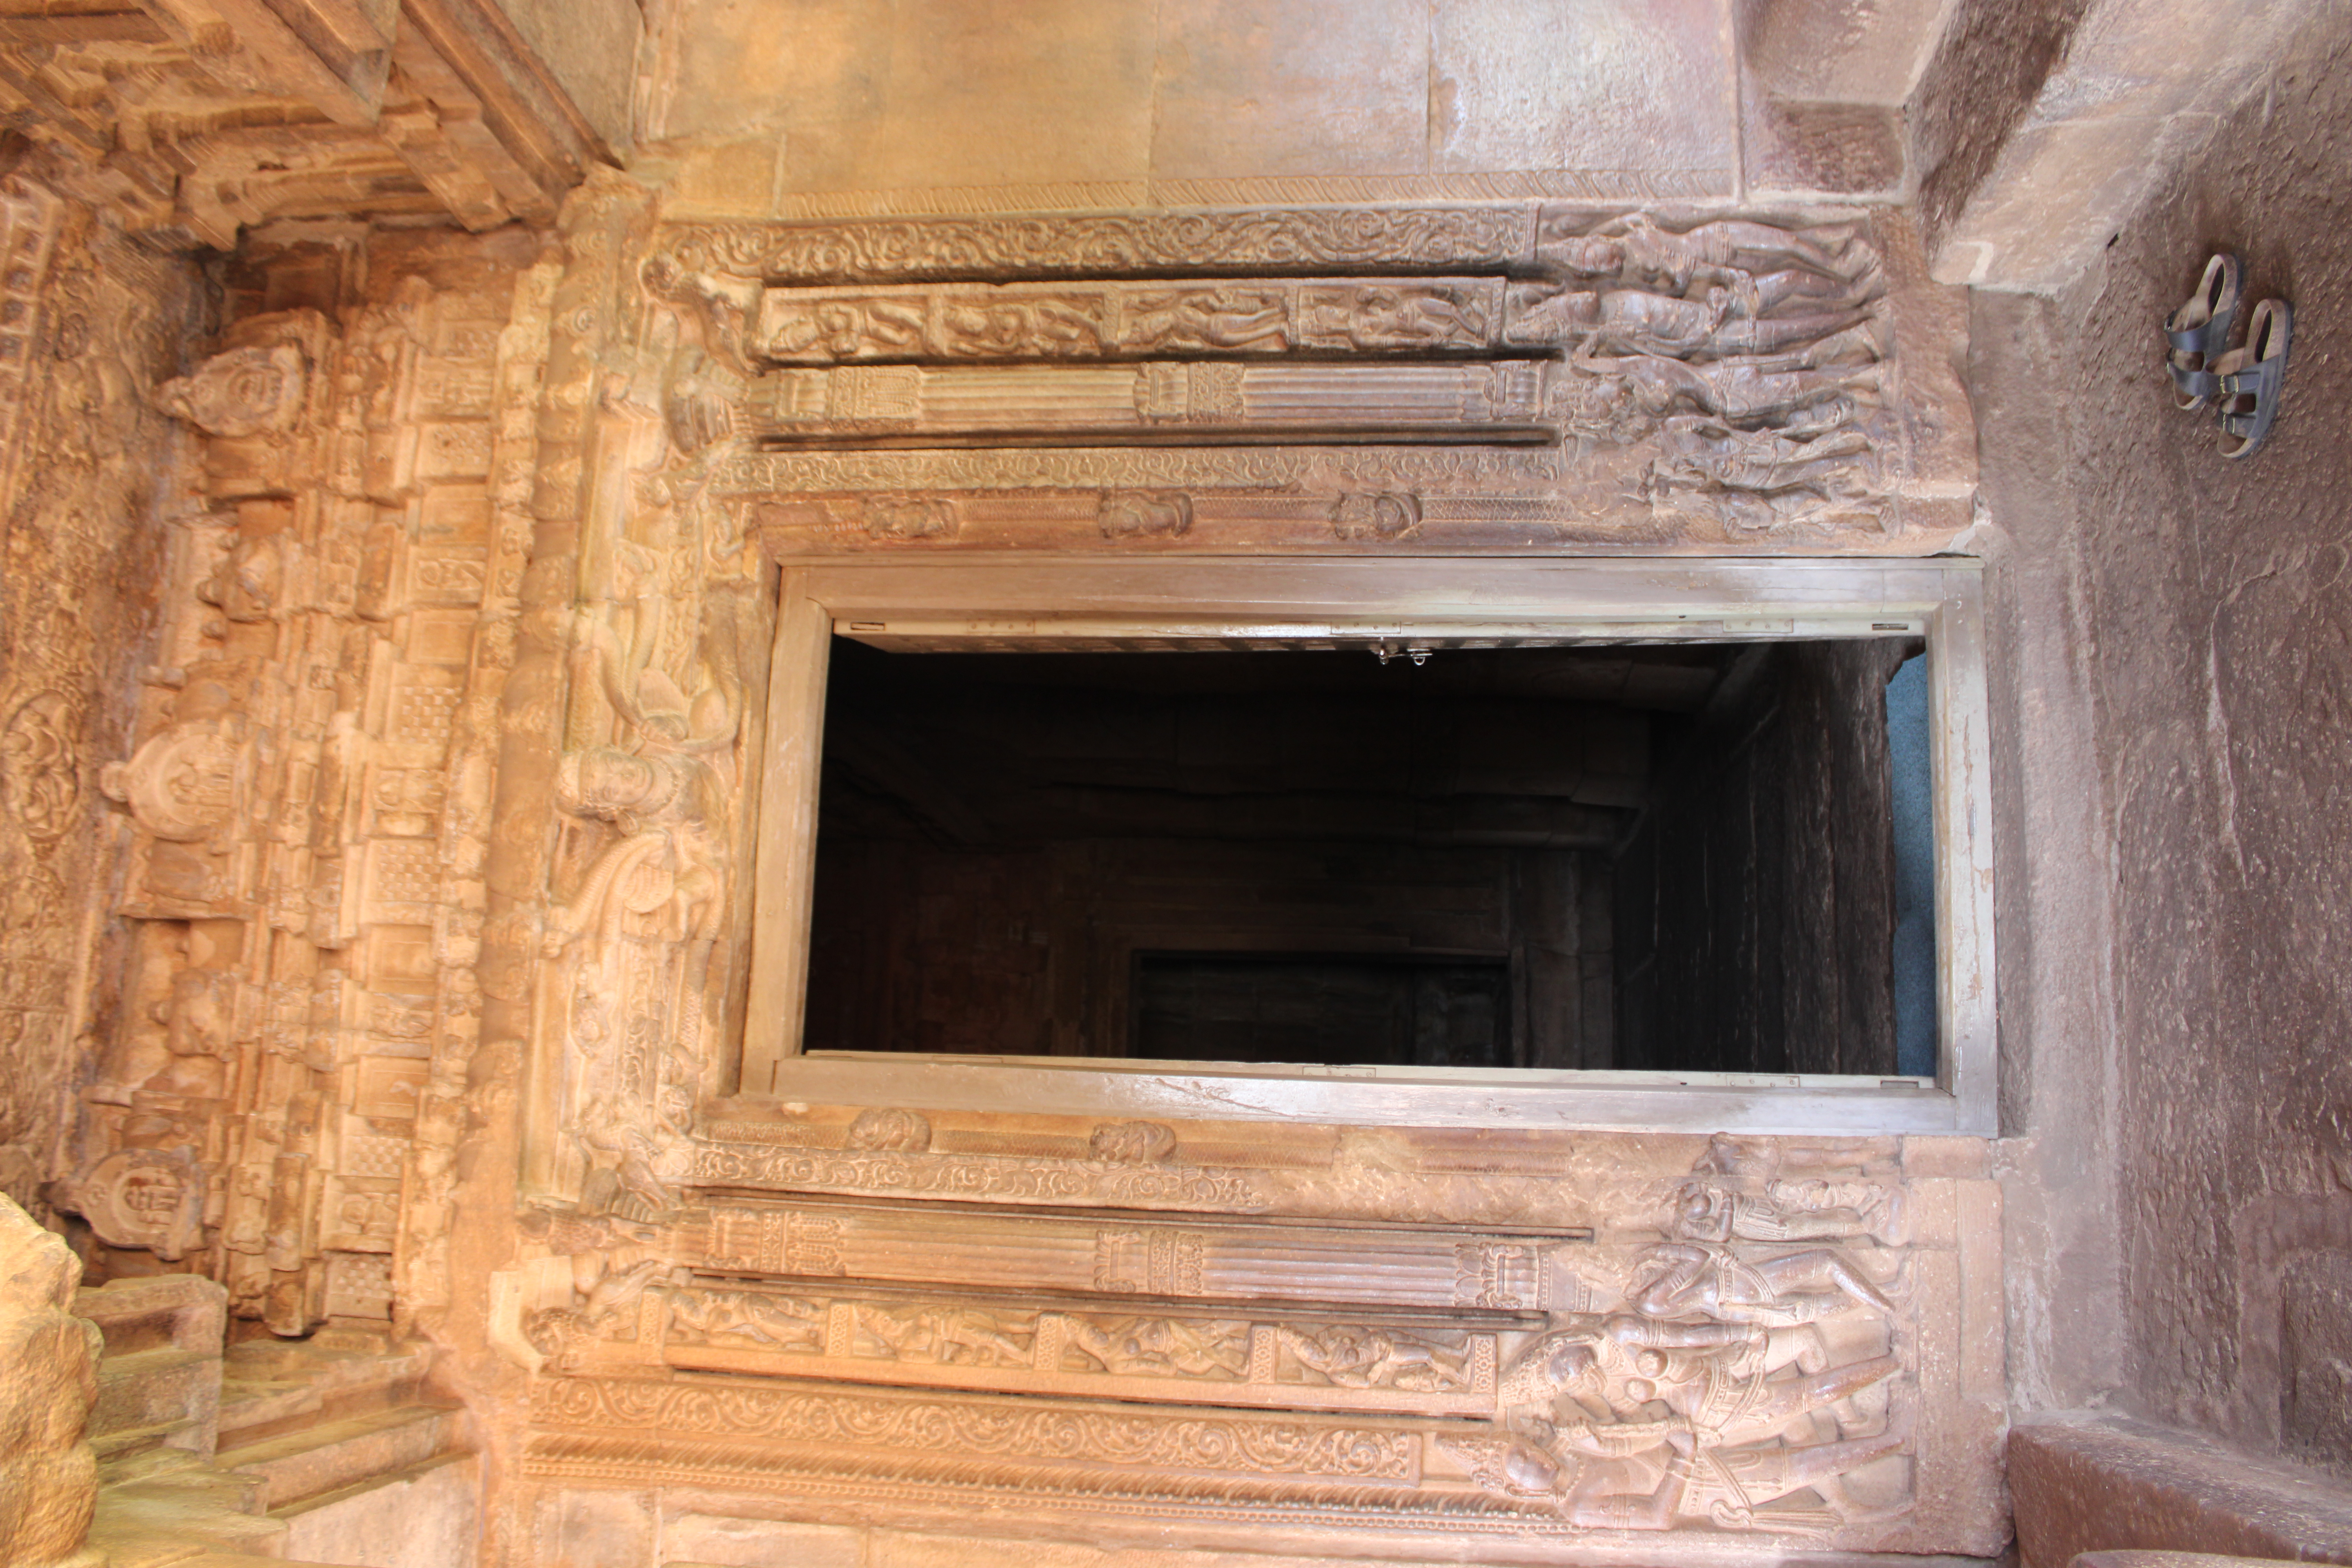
x=240 y=393
x=1146 y=514
x=1132 y=1143
x=39 y=765
x=895 y=1131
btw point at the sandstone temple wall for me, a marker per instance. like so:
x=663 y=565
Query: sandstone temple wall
x=435 y=896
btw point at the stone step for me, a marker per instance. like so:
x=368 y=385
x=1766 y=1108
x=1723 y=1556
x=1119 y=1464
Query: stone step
x=155 y=1508
x=344 y=1451
x=155 y=1398
x=272 y=1388
x=250 y=1410
x=426 y=1515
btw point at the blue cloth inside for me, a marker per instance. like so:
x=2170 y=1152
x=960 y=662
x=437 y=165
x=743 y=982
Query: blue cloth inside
x=1915 y=869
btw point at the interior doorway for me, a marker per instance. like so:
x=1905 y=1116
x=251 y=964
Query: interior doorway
x=1687 y=856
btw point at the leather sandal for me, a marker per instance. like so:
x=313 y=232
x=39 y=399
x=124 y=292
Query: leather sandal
x=2248 y=380
x=2201 y=329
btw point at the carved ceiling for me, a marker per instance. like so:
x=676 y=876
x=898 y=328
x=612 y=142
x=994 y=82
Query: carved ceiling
x=188 y=119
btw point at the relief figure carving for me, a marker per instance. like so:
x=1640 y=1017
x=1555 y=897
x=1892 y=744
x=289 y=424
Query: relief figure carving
x=1722 y=251
x=1158 y=1347
x=1739 y=1387
x=1684 y=1280
x=1044 y=325
x=950 y=1336
x=1372 y=317
x=1378 y=1358
x=606 y=1295
x=760 y=1318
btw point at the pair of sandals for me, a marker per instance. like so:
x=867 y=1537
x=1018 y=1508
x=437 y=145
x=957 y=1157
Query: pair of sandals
x=2241 y=384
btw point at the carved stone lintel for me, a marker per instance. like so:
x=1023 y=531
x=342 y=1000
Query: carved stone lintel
x=1320 y=238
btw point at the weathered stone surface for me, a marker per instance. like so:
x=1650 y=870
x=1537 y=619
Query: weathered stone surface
x=423 y=1516
x=2101 y=1488
x=48 y=1477
x=2197 y=673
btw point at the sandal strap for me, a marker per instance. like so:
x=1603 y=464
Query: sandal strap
x=2200 y=339
x=2256 y=380
x=2194 y=383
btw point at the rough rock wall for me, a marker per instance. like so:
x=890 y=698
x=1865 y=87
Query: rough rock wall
x=2197 y=609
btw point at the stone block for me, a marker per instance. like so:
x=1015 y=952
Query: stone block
x=2316 y=1357
x=336 y=1455
x=1618 y=86
x=589 y=1529
x=179 y=1311
x=2082 y=1488
x=426 y=1515
x=712 y=1541
x=591 y=48
x=1840 y=51
x=1253 y=88
x=726 y=179
x=1841 y=149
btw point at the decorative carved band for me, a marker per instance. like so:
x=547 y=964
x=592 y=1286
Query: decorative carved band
x=1486 y=470
x=785 y=1168
x=1270 y=239
x=1202 y=1260
x=1170 y=1445
x=1204 y=401
x=1120 y=320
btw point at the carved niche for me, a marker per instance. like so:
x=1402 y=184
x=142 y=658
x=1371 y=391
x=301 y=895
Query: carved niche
x=305 y=799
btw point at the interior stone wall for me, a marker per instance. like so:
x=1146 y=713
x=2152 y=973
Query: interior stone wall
x=2176 y=758
x=435 y=806
x=1754 y=902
